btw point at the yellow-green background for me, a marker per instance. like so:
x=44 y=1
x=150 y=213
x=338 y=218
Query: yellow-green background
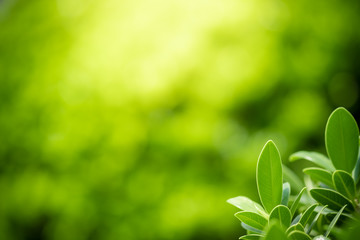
x=123 y=119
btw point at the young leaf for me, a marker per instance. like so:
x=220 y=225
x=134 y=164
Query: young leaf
x=296 y=202
x=315 y=219
x=308 y=215
x=246 y=204
x=333 y=222
x=251 y=237
x=292 y=178
x=269 y=176
x=314 y=157
x=275 y=231
x=297 y=235
x=282 y=214
x=321 y=237
x=296 y=219
x=319 y=174
x=250 y=229
x=252 y=219
x=344 y=183
x=294 y=227
x=285 y=194
x=342 y=139
x=357 y=171
x=329 y=197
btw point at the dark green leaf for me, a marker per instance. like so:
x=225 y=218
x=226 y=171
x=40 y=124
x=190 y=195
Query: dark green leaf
x=285 y=194
x=344 y=183
x=333 y=222
x=246 y=204
x=252 y=219
x=282 y=214
x=314 y=157
x=329 y=197
x=296 y=202
x=298 y=235
x=308 y=215
x=319 y=174
x=342 y=139
x=269 y=176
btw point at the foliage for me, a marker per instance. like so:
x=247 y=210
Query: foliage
x=334 y=185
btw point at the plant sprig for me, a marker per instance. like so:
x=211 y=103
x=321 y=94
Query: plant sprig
x=334 y=185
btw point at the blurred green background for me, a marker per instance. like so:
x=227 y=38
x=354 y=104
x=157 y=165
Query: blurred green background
x=129 y=120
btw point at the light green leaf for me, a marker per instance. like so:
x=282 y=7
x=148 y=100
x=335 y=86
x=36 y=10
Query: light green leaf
x=252 y=219
x=314 y=157
x=296 y=202
x=246 y=204
x=292 y=178
x=285 y=194
x=308 y=215
x=251 y=237
x=344 y=183
x=282 y=214
x=342 y=139
x=275 y=231
x=329 y=197
x=269 y=176
x=319 y=174
x=298 y=235
x=294 y=227
x=333 y=222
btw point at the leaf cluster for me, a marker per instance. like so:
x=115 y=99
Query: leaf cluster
x=329 y=195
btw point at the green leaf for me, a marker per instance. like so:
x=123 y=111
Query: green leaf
x=319 y=174
x=344 y=183
x=292 y=178
x=296 y=219
x=357 y=167
x=251 y=237
x=269 y=176
x=357 y=171
x=294 y=227
x=329 y=197
x=246 y=204
x=315 y=219
x=298 y=235
x=321 y=237
x=252 y=219
x=282 y=214
x=285 y=194
x=314 y=157
x=308 y=215
x=333 y=222
x=342 y=139
x=275 y=231
x=296 y=202
x=251 y=230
